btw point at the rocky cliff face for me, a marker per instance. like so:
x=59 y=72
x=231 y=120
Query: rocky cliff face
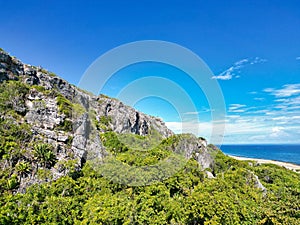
x=68 y=120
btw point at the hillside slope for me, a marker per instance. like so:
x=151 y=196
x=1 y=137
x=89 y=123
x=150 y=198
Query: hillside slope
x=69 y=157
x=67 y=123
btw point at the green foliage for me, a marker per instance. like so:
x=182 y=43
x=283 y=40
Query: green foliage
x=39 y=88
x=12 y=96
x=88 y=197
x=67 y=165
x=69 y=141
x=64 y=105
x=138 y=142
x=14 y=139
x=105 y=96
x=78 y=109
x=103 y=123
x=52 y=74
x=44 y=174
x=12 y=182
x=44 y=154
x=112 y=142
x=224 y=163
x=66 y=125
x=185 y=198
x=70 y=110
x=23 y=168
x=105 y=120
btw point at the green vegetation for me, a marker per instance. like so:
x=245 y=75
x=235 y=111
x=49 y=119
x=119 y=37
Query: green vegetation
x=102 y=123
x=38 y=88
x=70 y=110
x=14 y=140
x=78 y=109
x=44 y=154
x=104 y=96
x=138 y=142
x=64 y=105
x=52 y=74
x=185 y=198
x=23 y=168
x=113 y=144
x=105 y=120
x=88 y=196
x=12 y=97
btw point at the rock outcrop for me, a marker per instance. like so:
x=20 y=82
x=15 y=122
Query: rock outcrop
x=70 y=120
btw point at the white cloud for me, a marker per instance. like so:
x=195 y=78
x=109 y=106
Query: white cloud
x=252 y=92
x=241 y=130
x=232 y=71
x=286 y=91
x=259 y=99
x=226 y=75
x=204 y=110
x=278 y=132
x=245 y=129
x=191 y=113
x=280 y=127
x=290 y=101
x=277 y=122
x=237 y=108
x=241 y=62
x=258 y=60
x=237 y=105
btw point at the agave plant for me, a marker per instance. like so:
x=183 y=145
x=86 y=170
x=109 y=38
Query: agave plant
x=44 y=154
x=12 y=182
x=23 y=168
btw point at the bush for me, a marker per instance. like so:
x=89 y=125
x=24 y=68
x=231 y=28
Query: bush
x=43 y=153
x=64 y=105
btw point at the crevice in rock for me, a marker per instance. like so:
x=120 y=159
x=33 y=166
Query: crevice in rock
x=135 y=128
x=107 y=109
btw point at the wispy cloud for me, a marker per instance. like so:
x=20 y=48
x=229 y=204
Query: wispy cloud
x=292 y=101
x=298 y=58
x=252 y=92
x=237 y=108
x=191 y=113
x=242 y=129
x=203 y=110
x=277 y=121
x=259 y=99
x=287 y=90
x=232 y=72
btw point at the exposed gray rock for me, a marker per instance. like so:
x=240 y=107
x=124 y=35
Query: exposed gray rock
x=82 y=142
x=125 y=119
x=43 y=112
x=81 y=132
x=194 y=147
x=256 y=182
x=209 y=175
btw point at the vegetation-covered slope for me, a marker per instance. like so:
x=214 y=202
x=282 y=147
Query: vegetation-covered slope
x=49 y=131
x=188 y=197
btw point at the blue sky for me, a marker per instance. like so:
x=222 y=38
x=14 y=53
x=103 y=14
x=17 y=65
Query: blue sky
x=252 y=48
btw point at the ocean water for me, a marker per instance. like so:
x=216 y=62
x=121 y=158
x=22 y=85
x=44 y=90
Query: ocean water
x=284 y=153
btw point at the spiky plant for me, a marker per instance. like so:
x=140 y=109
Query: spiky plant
x=43 y=153
x=23 y=168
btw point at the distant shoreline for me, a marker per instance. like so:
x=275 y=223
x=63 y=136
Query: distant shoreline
x=290 y=166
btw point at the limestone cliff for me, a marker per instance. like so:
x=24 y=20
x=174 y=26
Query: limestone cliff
x=67 y=119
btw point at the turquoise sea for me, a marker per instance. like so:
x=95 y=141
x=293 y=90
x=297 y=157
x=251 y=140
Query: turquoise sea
x=284 y=153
